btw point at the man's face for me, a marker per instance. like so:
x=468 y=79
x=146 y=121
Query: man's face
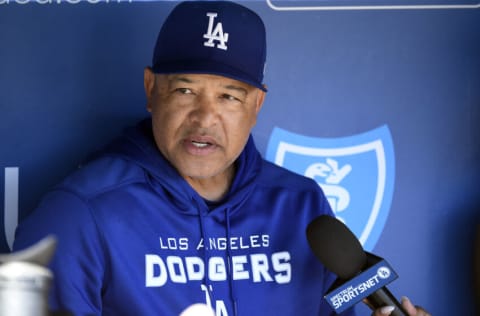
x=201 y=122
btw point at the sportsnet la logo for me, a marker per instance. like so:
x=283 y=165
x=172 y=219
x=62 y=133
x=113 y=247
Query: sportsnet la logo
x=356 y=174
x=215 y=34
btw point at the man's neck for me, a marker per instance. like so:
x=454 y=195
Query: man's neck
x=213 y=188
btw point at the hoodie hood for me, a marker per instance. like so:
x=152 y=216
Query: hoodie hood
x=138 y=146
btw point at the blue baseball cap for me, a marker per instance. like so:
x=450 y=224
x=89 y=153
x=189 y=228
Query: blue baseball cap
x=212 y=37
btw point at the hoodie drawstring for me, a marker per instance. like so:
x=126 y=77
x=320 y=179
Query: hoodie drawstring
x=229 y=263
x=233 y=296
x=205 y=255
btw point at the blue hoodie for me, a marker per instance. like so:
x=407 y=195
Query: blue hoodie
x=136 y=239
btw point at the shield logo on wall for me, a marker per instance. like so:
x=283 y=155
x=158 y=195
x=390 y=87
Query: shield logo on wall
x=356 y=173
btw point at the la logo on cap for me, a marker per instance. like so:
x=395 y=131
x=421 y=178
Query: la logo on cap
x=216 y=34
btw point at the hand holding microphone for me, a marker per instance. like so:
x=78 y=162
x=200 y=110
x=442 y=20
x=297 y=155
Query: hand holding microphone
x=361 y=275
x=407 y=305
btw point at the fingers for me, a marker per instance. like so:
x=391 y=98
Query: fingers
x=384 y=311
x=411 y=309
x=407 y=305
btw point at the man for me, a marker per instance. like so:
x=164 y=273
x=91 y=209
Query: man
x=182 y=209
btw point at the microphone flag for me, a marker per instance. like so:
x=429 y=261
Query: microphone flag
x=345 y=293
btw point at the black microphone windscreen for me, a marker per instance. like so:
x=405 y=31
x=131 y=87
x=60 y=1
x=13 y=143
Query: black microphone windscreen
x=336 y=246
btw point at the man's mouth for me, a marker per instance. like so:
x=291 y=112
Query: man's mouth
x=200 y=144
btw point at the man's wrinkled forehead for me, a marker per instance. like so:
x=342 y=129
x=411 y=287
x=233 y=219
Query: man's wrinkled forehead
x=172 y=80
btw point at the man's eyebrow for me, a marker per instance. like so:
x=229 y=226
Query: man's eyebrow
x=181 y=79
x=237 y=88
x=186 y=79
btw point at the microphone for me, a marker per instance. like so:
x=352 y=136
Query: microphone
x=361 y=275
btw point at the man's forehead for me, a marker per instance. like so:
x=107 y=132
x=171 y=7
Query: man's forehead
x=205 y=79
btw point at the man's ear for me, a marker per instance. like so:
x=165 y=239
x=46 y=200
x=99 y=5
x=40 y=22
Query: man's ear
x=260 y=99
x=149 y=85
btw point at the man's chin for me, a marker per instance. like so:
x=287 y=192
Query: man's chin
x=204 y=172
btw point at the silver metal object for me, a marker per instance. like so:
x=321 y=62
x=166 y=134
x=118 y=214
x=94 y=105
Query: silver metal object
x=25 y=280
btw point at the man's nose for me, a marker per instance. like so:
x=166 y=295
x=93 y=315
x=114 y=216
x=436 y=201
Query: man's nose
x=205 y=111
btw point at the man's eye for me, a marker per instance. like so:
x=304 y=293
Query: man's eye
x=230 y=97
x=184 y=90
